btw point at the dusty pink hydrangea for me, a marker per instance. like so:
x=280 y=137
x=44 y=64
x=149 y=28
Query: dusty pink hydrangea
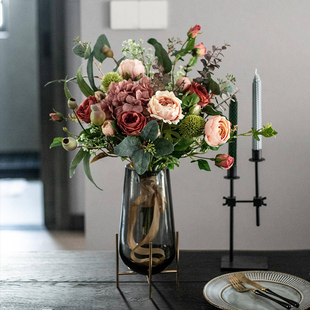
x=127 y=96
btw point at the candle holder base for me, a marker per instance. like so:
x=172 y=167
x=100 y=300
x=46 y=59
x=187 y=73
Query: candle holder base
x=244 y=263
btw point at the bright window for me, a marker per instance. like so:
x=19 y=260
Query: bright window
x=1 y=14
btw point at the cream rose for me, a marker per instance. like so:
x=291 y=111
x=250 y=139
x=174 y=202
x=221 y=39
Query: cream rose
x=217 y=130
x=164 y=105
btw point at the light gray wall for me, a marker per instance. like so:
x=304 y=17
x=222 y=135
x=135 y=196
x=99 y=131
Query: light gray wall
x=19 y=103
x=271 y=36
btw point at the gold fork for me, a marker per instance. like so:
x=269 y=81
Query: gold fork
x=239 y=287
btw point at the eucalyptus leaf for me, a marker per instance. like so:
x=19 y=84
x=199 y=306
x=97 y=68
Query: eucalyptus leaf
x=56 y=142
x=150 y=131
x=127 y=147
x=79 y=50
x=87 y=169
x=141 y=161
x=119 y=62
x=101 y=41
x=163 y=147
x=76 y=160
x=203 y=165
x=84 y=87
x=162 y=55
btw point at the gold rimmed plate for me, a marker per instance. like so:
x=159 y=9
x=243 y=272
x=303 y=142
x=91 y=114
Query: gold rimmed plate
x=221 y=294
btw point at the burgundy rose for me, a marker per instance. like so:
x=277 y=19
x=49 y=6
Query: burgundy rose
x=131 y=122
x=84 y=110
x=201 y=92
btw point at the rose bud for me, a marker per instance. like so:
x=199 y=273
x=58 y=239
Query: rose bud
x=224 y=161
x=184 y=83
x=106 y=51
x=107 y=128
x=69 y=144
x=199 y=50
x=72 y=104
x=192 y=33
x=57 y=116
x=195 y=109
x=97 y=116
x=131 y=69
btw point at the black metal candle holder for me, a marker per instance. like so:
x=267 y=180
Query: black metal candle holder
x=232 y=262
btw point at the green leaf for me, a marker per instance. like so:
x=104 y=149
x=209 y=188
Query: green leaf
x=150 y=131
x=203 y=165
x=87 y=168
x=189 y=100
x=56 y=142
x=190 y=44
x=214 y=87
x=163 y=147
x=66 y=89
x=208 y=109
x=90 y=72
x=85 y=89
x=101 y=41
x=162 y=55
x=127 y=147
x=183 y=144
x=76 y=160
x=192 y=62
x=214 y=148
x=141 y=161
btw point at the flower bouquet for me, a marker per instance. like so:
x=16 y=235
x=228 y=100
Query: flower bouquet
x=149 y=112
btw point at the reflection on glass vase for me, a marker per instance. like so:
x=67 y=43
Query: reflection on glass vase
x=147 y=216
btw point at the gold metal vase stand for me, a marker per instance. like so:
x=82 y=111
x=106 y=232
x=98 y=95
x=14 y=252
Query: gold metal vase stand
x=149 y=276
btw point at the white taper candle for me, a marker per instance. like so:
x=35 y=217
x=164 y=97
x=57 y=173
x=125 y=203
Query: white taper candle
x=257 y=109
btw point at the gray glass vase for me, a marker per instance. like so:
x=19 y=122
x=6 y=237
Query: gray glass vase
x=147 y=216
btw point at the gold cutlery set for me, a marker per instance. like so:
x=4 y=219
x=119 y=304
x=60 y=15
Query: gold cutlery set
x=238 y=280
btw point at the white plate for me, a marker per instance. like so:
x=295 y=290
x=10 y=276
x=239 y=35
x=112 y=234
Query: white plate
x=221 y=294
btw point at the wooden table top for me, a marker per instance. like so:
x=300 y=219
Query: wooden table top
x=83 y=280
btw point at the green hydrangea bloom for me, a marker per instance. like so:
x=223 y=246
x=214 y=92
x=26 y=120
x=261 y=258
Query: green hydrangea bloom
x=108 y=79
x=192 y=126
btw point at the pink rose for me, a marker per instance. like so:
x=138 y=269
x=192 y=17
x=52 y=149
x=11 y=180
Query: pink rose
x=199 y=50
x=192 y=33
x=224 y=160
x=184 y=83
x=217 y=130
x=164 y=105
x=131 y=122
x=107 y=128
x=131 y=68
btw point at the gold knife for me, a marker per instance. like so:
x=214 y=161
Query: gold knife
x=241 y=277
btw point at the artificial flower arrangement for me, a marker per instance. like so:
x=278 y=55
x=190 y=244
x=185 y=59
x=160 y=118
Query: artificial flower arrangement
x=148 y=111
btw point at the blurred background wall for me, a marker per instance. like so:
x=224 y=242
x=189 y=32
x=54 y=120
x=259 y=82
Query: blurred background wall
x=272 y=37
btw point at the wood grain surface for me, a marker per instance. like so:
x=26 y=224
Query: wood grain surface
x=83 y=280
